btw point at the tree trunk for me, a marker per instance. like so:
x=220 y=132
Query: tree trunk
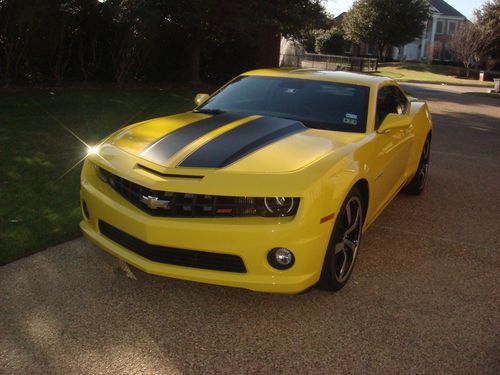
x=82 y=61
x=381 y=52
x=194 y=73
x=355 y=50
x=13 y=48
x=269 y=48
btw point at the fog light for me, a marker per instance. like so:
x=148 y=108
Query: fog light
x=280 y=258
x=85 y=210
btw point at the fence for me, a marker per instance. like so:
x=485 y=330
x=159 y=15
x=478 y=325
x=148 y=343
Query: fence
x=329 y=62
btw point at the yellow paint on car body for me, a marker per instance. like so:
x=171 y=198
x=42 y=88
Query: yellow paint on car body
x=318 y=166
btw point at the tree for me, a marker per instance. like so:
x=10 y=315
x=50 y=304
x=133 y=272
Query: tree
x=135 y=40
x=288 y=18
x=19 y=24
x=206 y=21
x=307 y=36
x=94 y=21
x=134 y=25
x=329 y=41
x=488 y=20
x=467 y=45
x=62 y=36
x=385 y=23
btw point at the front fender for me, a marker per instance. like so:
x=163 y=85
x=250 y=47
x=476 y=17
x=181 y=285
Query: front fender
x=333 y=188
x=422 y=125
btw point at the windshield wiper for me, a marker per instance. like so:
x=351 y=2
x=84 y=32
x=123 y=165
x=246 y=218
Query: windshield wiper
x=210 y=111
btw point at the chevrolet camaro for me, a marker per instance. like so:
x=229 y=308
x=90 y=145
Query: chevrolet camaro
x=268 y=184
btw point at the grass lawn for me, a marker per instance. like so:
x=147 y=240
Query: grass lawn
x=425 y=73
x=39 y=197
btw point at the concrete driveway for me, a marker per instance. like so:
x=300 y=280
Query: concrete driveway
x=424 y=297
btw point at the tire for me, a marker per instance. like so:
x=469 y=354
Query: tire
x=344 y=243
x=417 y=185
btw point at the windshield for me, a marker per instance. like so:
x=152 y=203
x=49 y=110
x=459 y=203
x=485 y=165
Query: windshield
x=317 y=104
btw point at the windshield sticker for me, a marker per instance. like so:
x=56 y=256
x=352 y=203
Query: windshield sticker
x=351 y=116
x=350 y=121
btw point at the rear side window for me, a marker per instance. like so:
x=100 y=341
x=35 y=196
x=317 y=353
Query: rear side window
x=402 y=100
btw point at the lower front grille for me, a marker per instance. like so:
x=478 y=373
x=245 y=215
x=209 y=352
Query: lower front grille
x=174 y=256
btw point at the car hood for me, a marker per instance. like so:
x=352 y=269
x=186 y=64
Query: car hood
x=229 y=142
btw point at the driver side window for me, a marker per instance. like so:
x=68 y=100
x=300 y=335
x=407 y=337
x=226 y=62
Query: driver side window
x=389 y=100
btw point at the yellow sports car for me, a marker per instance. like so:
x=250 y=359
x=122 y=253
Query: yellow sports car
x=268 y=184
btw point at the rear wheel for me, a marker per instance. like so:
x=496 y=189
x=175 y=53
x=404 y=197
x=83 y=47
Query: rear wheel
x=417 y=184
x=344 y=243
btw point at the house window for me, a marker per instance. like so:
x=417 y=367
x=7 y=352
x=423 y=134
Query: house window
x=438 y=49
x=439 y=27
x=452 y=27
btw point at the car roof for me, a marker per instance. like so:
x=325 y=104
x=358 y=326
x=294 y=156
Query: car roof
x=322 y=75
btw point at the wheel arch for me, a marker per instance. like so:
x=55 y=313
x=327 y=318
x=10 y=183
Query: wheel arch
x=325 y=281
x=363 y=186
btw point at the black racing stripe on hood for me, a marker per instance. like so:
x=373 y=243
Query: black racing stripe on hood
x=241 y=141
x=167 y=146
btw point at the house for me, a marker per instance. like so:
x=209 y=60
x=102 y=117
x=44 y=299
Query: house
x=444 y=22
x=430 y=46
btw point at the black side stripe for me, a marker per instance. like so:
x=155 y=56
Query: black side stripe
x=164 y=148
x=241 y=141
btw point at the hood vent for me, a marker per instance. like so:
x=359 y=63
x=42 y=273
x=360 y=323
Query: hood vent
x=170 y=175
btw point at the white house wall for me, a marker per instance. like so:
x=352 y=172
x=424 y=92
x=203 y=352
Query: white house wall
x=413 y=51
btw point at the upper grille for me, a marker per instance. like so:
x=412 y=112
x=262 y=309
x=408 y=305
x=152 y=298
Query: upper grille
x=169 y=255
x=181 y=204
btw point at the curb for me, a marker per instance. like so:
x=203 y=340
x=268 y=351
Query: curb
x=445 y=84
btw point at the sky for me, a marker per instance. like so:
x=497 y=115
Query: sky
x=466 y=7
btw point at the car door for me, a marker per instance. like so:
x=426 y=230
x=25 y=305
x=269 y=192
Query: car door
x=392 y=148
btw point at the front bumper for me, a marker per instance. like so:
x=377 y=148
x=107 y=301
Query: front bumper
x=250 y=238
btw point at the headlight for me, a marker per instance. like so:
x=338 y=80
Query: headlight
x=92 y=150
x=280 y=206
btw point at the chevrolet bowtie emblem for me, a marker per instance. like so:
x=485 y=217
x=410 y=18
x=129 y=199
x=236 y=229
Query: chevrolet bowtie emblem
x=154 y=203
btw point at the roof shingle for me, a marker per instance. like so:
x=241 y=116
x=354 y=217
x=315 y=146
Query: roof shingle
x=445 y=8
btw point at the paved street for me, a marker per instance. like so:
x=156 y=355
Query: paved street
x=424 y=297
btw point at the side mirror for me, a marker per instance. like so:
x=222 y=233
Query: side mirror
x=394 y=121
x=199 y=99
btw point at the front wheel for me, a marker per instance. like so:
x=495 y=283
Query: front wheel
x=344 y=243
x=417 y=184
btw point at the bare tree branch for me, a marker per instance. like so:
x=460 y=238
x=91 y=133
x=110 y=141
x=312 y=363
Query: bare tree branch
x=468 y=45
